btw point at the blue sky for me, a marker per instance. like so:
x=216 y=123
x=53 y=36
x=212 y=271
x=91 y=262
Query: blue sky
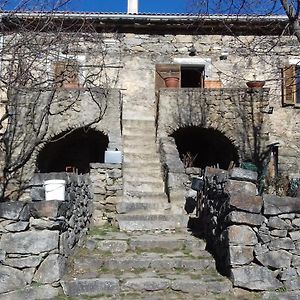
x=151 y=6
x=163 y=6
x=157 y=6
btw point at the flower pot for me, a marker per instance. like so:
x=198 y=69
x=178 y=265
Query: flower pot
x=212 y=84
x=256 y=84
x=171 y=82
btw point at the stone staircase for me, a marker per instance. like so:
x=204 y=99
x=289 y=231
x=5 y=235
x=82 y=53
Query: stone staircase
x=145 y=204
x=119 y=265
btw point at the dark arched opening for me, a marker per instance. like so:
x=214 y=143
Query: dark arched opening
x=73 y=151
x=202 y=147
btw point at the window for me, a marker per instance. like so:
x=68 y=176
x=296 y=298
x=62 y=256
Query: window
x=291 y=85
x=189 y=75
x=67 y=73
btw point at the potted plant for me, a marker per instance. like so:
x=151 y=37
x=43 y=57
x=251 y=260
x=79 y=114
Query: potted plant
x=172 y=80
x=255 y=84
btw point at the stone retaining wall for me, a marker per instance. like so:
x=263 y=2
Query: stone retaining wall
x=37 y=237
x=107 y=182
x=256 y=240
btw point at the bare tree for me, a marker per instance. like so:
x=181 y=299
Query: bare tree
x=42 y=62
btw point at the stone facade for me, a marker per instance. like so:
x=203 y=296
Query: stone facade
x=130 y=66
x=40 y=235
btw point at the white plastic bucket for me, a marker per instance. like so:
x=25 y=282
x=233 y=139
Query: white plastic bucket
x=55 y=189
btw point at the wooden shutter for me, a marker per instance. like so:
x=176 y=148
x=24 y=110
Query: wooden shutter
x=67 y=74
x=289 y=85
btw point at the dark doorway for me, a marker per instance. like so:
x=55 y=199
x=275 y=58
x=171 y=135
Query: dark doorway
x=73 y=151
x=192 y=77
x=201 y=147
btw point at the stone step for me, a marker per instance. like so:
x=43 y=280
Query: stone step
x=144 y=196
x=122 y=242
x=139 y=123
x=150 y=222
x=143 y=166
x=149 y=261
x=127 y=207
x=130 y=141
x=138 y=139
x=142 y=175
x=142 y=265
x=144 y=186
x=137 y=112
x=136 y=131
x=141 y=157
x=145 y=284
x=134 y=148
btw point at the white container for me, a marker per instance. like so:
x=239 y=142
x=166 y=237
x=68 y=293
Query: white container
x=113 y=157
x=55 y=189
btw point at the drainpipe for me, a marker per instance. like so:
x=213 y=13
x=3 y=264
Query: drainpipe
x=132 y=7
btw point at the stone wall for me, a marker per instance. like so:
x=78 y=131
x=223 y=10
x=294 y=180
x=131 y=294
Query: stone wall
x=237 y=113
x=38 y=236
x=107 y=182
x=256 y=240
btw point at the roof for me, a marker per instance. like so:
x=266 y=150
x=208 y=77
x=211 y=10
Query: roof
x=162 y=23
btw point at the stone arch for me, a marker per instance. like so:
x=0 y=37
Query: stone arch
x=75 y=148
x=201 y=147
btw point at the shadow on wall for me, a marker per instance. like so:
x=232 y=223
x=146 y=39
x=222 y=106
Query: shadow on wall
x=73 y=151
x=201 y=147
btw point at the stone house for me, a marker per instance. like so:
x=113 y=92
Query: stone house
x=208 y=118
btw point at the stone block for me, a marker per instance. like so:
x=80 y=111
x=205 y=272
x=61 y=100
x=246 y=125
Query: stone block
x=44 y=224
x=37 y=193
x=24 y=262
x=278 y=223
x=113 y=246
x=32 y=293
x=55 y=263
x=91 y=287
x=115 y=173
x=201 y=287
x=30 y=242
x=2 y=255
x=12 y=210
x=242 y=174
x=245 y=202
x=275 y=259
x=240 y=255
x=275 y=205
x=11 y=279
x=296 y=261
x=294 y=235
x=147 y=284
x=293 y=285
x=255 y=278
x=48 y=209
x=241 y=235
x=288 y=274
x=296 y=222
x=279 y=233
x=234 y=187
x=240 y=217
x=282 y=243
x=260 y=249
x=16 y=227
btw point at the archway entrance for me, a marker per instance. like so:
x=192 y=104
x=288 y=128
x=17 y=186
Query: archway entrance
x=73 y=151
x=202 y=147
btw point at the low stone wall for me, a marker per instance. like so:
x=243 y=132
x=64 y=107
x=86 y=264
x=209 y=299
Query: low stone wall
x=37 y=237
x=256 y=240
x=107 y=182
